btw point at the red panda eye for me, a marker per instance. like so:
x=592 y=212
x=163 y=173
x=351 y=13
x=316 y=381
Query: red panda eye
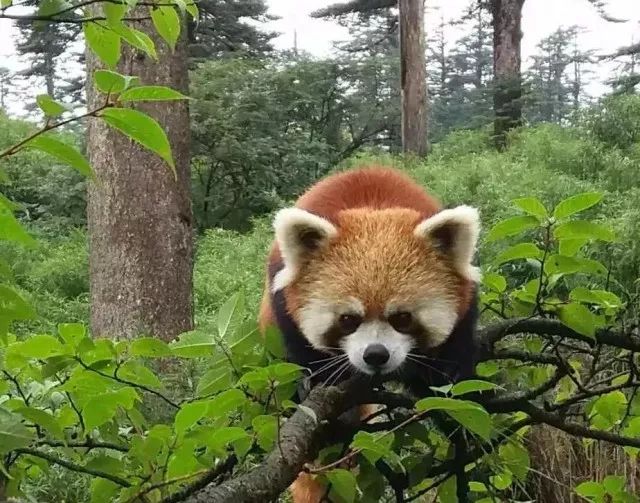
x=349 y=323
x=401 y=321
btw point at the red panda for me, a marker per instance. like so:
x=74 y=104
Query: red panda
x=369 y=267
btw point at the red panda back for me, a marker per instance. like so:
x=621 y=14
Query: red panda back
x=370 y=187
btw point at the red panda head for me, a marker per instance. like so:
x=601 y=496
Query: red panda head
x=376 y=284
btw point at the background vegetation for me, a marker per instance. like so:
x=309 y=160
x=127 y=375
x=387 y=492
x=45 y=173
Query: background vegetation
x=265 y=125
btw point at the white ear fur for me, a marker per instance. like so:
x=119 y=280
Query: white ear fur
x=298 y=233
x=455 y=231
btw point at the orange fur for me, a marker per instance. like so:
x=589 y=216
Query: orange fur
x=376 y=210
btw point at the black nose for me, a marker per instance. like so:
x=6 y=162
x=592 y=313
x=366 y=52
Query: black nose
x=376 y=355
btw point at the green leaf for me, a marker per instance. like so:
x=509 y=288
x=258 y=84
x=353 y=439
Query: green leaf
x=114 y=12
x=152 y=93
x=274 y=342
x=113 y=82
x=42 y=418
x=139 y=374
x=230 y=314
x=570 y=247
x=471 y=415
x=102 y=408
x=559 y=264
x=104 y=491
x=49 y=7
x=511 y=227
x=472 y=385
x=575 y=204
x=519 y=251
x=5 y=3
x=614 y=484
x=41 y=346
x=11 y=230
x=215 y=379
x=141 y=128
x=580 y=229
x=225 y=436
x=63 y=152
x=167 y=22
x=343 y=485
x=193 y=344
x=591 y=490
x=532 y=206
x=611 y=407
x=599 y=297
x=266 y=428
x=49 y=106
x=13 y=306
x=494 y=281
x=516 y=459
x=189 y=414
x=149 y=347
x=13 y=434
x=72 y=333
x=578 y=318
x=226 y=402
x=192 y=8
x=373 y=446
x=104 y=42
x=137 y=39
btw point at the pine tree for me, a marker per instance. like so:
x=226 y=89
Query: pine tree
x=471 y=70
x=223 y=30
x=46 y=46
x=557 y=77
x=5 y=80
x=628 y=70
x=370 y=64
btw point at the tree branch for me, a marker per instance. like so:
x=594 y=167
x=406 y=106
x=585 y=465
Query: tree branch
x=73 y=466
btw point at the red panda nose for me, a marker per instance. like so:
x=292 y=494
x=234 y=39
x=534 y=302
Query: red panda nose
x=376 y=355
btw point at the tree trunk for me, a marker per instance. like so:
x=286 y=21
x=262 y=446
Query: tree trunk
x=507 y=15
x=413 y=78
x=139 y=217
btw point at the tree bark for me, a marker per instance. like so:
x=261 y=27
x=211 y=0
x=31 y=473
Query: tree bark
x=139 y=217
x=413 y=78
x=507 y=34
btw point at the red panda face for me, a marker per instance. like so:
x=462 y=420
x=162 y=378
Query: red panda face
x=376 y=284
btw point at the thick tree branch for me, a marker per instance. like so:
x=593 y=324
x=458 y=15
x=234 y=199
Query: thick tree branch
x=545 y=327
x=304 y=433
x=300 y=439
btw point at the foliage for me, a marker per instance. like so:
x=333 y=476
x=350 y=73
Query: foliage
x=223 y=30
x=65 y=388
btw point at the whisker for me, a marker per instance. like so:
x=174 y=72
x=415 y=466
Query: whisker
x=337 y=378
x=326 y=359
x=327 y=366
x=341 y=367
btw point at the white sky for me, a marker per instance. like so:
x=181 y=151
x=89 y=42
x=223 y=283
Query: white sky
x=540 y=18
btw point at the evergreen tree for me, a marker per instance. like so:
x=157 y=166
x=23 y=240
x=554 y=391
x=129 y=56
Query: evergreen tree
x=628 y=70
x=557 y=77
x=371 y=71
x=46 y=46
x=470 y=71
x=224 y=29
x=5 y=79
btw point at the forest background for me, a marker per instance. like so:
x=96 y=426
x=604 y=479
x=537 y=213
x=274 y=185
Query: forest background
x=263 y=124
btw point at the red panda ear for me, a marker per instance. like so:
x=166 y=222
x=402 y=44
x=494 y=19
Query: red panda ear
x=454 y=232
x=298 y=233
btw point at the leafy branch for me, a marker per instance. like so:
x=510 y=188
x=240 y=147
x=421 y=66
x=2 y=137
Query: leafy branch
x=49 y=126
